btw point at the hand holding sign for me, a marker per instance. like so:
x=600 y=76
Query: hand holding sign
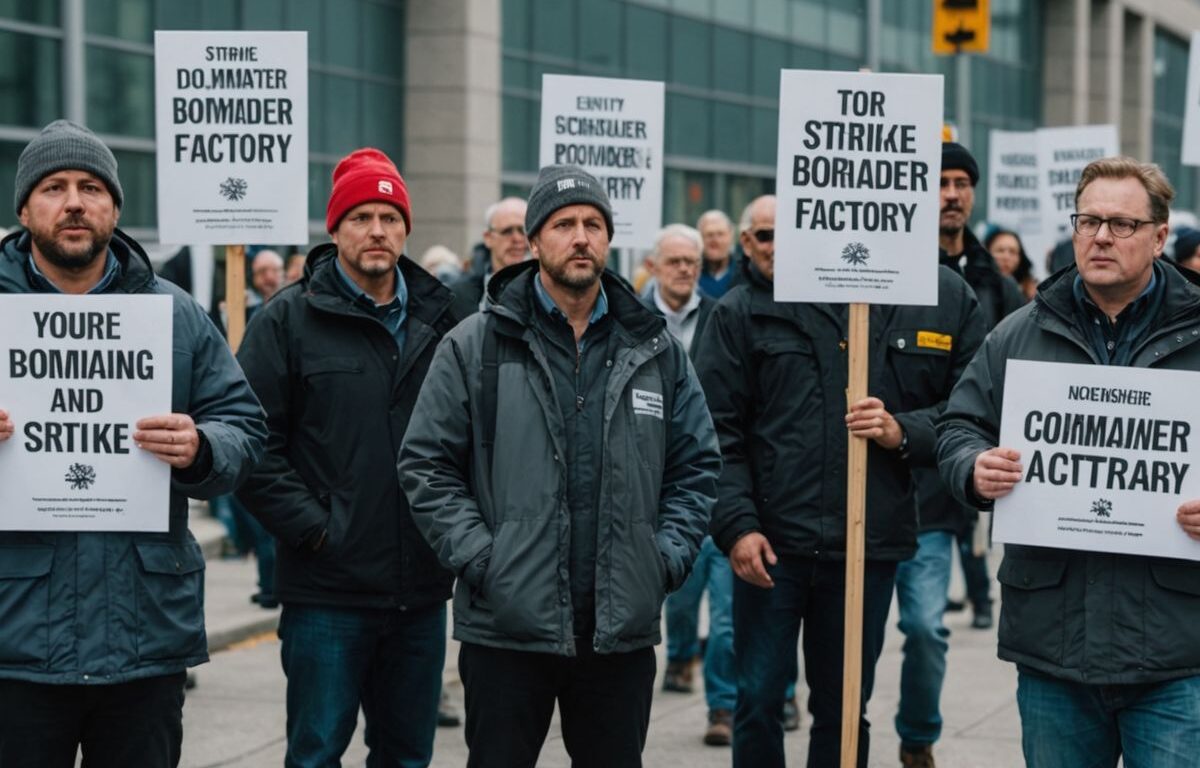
x=6 y=426
x=870 y=420
x=171 y=438
x=1189 y=518
x=997 y=471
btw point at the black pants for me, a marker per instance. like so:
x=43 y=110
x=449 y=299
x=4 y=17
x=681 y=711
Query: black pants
x=604 y=701
x=139 y=723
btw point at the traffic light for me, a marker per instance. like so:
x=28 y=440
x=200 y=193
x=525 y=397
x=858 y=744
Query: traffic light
x=960 y=26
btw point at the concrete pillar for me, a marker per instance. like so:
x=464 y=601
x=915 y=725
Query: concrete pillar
x=1137 y=75
x=1066 y=70
x=452 y=120
x=1105 y=61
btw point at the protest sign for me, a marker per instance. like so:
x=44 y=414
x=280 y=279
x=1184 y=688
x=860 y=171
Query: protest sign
x=857 y=187
x=1108 y=455
x=1191 y=112
x=1013 y=184
x=76 y=374
x=232 y=136
x=1063 y=153
x=613 y=129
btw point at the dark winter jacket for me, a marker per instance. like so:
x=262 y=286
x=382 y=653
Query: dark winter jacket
x=1087 y=617
x=338 y=395
x=506 y=533
x=775 y=375
x=84 y=608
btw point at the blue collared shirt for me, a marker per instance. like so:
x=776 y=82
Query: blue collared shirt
x=392 y=315
x=112 y=273
x=550 y=308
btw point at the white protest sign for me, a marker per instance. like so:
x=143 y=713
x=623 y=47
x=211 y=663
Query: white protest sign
x=1108 y=453
x=77 y=373
x=613 y=129
x=1013 y=182
x=857 y=187
x=232 y=135
x=1063 y=153
x=1191 y=112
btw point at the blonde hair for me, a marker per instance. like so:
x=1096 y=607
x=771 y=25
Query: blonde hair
x=1153 y=180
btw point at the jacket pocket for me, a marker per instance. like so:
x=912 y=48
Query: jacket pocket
x=637 y=585
x=521 y=584
x=1034 y=605
x=25 y=604
x=921 y=358
x=170 y=601
x=1172 y=603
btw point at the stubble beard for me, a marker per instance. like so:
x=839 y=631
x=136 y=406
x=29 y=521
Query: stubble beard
x=74 y=258
x=577 y=281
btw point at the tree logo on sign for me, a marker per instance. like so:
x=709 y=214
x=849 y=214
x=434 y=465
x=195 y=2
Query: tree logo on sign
x=233 y=189
x=80 y=476
x=1102 y=508
x=855 y=254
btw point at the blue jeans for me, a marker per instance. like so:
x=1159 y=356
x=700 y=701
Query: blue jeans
x=1076 y=725
x=683 y=611
x=766 y=627
x=247 y=534
x=921 y=587
x=388 y=661
x=975 y=574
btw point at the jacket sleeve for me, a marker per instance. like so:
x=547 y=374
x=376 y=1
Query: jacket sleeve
x=275 y=493
x=689 y=483
x=435 y=464
x=971 y=421
x=723 y=365
x=958 y=303
x=223 y=407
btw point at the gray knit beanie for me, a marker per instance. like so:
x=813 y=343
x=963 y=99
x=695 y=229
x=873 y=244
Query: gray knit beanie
x=558 y=186
x=65 y=146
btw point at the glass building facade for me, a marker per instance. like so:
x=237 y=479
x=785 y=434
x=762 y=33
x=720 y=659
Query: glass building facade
x=1170 y=99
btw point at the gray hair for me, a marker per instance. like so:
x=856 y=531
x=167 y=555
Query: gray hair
x=719 y=215
x=678 y=230
x=748 y=213
x=490 y=213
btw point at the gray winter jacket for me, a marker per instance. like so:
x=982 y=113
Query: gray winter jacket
x=1087 y=617
x=506 y=535
x=81 y=608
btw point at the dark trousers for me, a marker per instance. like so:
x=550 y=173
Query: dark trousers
x=604 y=702
x=136 y=723
x=766 y=627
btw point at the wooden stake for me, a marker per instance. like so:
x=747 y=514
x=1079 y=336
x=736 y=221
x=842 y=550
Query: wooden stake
x=235 y=294
x=856 y=534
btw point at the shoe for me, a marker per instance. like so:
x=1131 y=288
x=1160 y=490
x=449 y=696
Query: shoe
x=446 y=716
x=678 y=677
x=720 y=728
x=917 y=756
x=265 y=600
x=982 y=618
x=791 y=715
x=955 y=606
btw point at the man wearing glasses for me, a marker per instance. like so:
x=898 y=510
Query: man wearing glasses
x=775 y=375
x=506 y=243
x=1107 y=646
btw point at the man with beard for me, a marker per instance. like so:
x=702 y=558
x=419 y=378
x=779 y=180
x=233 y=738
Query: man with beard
x=99 y=628
x=506 y=244
x=338 y=360
x=562 y=463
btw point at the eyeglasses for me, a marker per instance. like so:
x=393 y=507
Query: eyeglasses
x=764 y=235
x=1089 y=226
x=515 y=229
x=681 y=262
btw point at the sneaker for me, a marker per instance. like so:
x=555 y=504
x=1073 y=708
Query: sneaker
x=917 y=756
x=678 y=677
x=791 y=715
x=265 y=600
x=446 y=716
x=720 y=728
x=955 y=606
x=982 y=618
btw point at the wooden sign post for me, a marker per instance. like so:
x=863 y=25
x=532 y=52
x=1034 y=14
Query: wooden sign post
x=235 y=294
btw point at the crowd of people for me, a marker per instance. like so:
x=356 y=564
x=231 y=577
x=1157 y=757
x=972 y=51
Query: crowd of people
x=569 y=461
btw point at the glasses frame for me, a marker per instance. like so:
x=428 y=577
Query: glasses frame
x=509 y=231
x=764 y=236
x=1137 y=224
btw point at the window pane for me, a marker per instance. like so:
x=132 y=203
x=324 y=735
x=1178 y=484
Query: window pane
x=343 y=31
x=383 y=40
x=383 y=119
x=845 y=33
x=263 y=14
x=33 y=11
x=175 y=15
x=688 y=129
x=220 y=14
x=518 y=132
x=30 y=79
x=120 y=96
x=514 y=16
x=733 y=12
x=764 y=149
x=137 y=171
x=697 y=7
x=554 y=28
x=770 y=56
x=731 y=132
x=306 y=15
x=9 y=152
x=316 y=116
x=600 y=35
x=691 y=46
x=320 y=183
x=809 y=21
x=515 y=74
x=731 y=60
x=124 y=19
x=645 y=54
x=343 y=105
x=770 y=16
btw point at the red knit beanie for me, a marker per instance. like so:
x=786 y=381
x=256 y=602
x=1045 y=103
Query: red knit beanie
x=366 y=176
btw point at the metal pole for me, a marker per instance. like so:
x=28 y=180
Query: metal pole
x=874 y=34
x=962 y=108
x=74 y=64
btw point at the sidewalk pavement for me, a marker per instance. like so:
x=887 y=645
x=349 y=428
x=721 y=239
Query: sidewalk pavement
x=235 y=716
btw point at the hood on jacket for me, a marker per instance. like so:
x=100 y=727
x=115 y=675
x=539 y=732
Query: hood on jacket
x=136 y=270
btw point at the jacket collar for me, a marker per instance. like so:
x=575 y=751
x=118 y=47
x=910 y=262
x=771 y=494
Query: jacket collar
x=1181 y=299
x=136 y=272
x=428 y=299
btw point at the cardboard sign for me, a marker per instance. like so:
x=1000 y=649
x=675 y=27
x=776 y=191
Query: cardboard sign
x=1063 y=153
x=76 y=374
x=232 y=135
x=1108 y=453
x=857 y=187
x=1013 y=184
x=1191 y=112
x=613 y=129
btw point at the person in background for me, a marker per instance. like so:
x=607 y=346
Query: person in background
x=1011 y=259
x=442 y=263
x=295 y=267
x=1187 y=248
x=721 y=268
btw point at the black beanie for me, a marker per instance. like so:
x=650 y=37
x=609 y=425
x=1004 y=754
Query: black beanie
x=1186 y=242
x=558 y=186
x=956 y=157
